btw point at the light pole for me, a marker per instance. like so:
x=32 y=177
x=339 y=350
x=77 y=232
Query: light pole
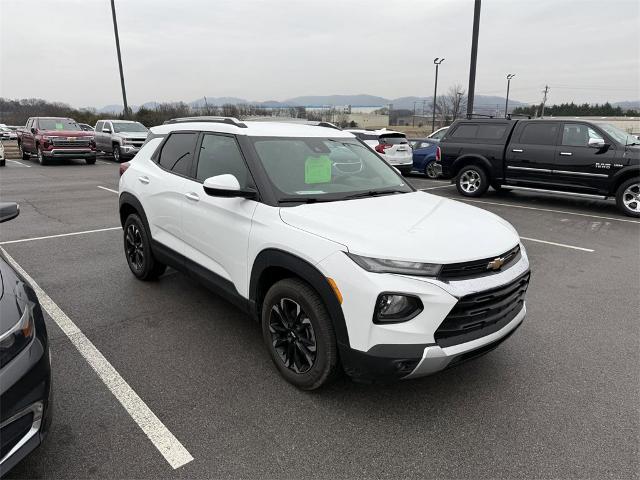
x=506 y=103
x=437 y=63
x=115 y=31
x=474 y=57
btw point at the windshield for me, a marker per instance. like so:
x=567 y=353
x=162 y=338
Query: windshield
x=58 y=124
x=325 y=169
x=619 y=135
x=438 y=134
x=128 y=127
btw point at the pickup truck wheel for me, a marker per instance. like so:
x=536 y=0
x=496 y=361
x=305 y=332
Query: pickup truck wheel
x=116 y=154
x=137 y=250
x=628 y=197
x=299 y=334
x=472 y=181
x=91 y=161
x=41 y=159
x=23 y=154
x=430 y=170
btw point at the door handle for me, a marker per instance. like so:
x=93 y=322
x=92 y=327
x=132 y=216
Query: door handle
x=566 y=154
x=144 y=179
x=192 y=196
x=517 y=150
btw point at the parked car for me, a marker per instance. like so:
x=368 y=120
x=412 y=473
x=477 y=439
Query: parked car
x=54 y=137
x=438 y=134
x=2 y=159
x=25 y=371
x=424 y=157
x=121 y=138
x=340 y=265
x=7 y=133
x=573 y=157
x=85 y=127
x=392 y=146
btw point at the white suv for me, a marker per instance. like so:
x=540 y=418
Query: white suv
x=392 y=146
x=344 y=264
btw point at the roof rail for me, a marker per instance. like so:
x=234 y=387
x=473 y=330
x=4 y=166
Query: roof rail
x=518 y=115
x=324 y=124
x=227 y=120
x=479 y=115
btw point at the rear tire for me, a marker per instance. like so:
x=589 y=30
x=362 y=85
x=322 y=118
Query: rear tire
x=299 y=335
x=23 y=154
x=137 y=250
x=472 y=181
x=430 y=171
x=91 y=161
x=628 y=197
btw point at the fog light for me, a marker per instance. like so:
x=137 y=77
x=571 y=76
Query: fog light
x=395 y=308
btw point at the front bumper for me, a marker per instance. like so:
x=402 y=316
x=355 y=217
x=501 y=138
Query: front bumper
x=69 y=153
x=379 y=352
x=129 y=150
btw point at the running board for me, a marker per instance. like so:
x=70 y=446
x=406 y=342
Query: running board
x=557 y=192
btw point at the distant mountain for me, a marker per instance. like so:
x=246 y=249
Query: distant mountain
x=217 y=101
x=628 y=105
x=335 y=100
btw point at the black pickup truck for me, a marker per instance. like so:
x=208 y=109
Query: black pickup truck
x=573 y=157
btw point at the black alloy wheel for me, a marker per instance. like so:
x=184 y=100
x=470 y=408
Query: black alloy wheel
x=134 y=247
x=292 y=334
x=137 y=250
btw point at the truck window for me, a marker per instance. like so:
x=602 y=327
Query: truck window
x=491 y=132
x=577 y=135
x=99 y=126
x=539 y=134
x=468 y=130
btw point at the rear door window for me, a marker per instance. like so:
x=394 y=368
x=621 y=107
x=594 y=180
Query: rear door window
x=99 y=126
x=540 y=133
x=177 y=153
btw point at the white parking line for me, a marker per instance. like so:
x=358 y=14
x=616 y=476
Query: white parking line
x=166 y=443
x=439 y=186
x=548 y=210
x=103 y=162
x=107 y=189
x=60 y=235
x=573 y=247
x=19 y=163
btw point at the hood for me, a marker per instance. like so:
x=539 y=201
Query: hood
x=135 y=135
x=66 y=133
x=413 y=226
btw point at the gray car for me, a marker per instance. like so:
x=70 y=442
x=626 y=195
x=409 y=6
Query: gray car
x=121 y=138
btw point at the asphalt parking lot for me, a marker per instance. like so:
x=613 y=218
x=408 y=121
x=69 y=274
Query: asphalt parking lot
x=560 y=399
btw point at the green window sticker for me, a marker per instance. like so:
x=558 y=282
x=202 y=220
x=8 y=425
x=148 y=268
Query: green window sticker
x=59 y=126
x=317 y=170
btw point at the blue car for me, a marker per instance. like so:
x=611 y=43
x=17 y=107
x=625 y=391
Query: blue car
x=424 y=156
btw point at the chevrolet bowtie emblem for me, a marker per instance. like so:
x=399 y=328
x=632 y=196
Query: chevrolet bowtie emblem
x=495 y=264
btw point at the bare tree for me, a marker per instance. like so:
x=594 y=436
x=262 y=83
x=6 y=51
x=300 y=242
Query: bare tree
x=450 y=105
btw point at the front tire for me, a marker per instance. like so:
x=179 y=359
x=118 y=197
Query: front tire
x=472 y=181
x=628 y=197
x=117 y=155
x=91 y=160
x=137 y=250
x=299 y=334
x=23 y=154
x=41 y=160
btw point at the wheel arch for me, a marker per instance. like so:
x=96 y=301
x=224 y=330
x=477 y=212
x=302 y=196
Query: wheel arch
x=622 y=176
x=129 y=204
x=466 y=160
x=272 y=265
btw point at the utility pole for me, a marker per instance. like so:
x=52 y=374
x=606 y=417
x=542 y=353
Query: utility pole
x=437 y=63
x=474 y=57
x=506 y=103
x=115 y=31
x=414 y=114
x=544 y=100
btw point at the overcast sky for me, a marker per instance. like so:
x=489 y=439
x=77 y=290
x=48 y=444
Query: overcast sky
x=63 y=50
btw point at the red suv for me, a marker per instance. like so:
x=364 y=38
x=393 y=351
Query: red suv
x=53 y=137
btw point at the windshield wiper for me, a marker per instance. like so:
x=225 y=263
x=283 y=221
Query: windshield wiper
x=304 y=200
x=373 y=193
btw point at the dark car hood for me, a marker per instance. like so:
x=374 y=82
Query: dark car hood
x=13 y=296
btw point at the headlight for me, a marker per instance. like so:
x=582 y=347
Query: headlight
x=17 y=338
x=395 y=308
x=381 y=265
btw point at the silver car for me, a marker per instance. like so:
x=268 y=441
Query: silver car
x=121 y=138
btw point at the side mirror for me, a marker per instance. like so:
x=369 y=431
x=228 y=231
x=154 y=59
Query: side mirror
x=33 y=130
x=106 y=130
x=597 y=143
x=8 y=211
x=227 y=186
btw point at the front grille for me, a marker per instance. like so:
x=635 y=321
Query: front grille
x=79 y=142
x=12 y=433
x=478 y=268
x=481 y=314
